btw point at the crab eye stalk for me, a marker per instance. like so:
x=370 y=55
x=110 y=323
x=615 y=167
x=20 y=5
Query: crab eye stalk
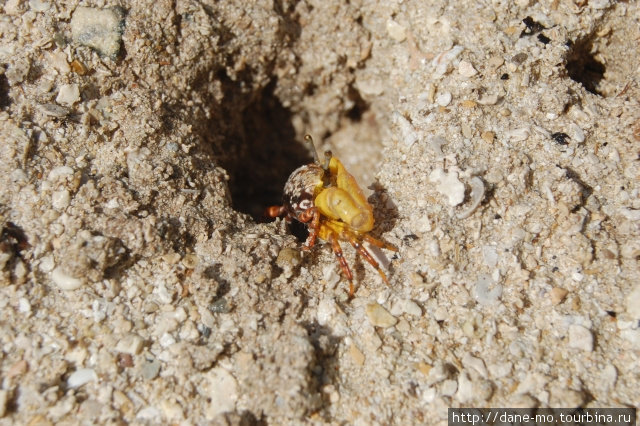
x=314 y=151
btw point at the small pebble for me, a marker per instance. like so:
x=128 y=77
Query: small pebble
x=81 y=377
x=222 y=388
x=448 y=185
x=356 y=354
x=633 y=302
x=99 y=29
x=171 y=409
x=65 y=281
x=68 y=94
x=61 y=171
x=449 y=387
x=379 y=316
x=4 y=398
x=53 y=110
x=130 y=344
x=60 y=199
x=576 y=133
x=466 y=69
x=557 y=295
x=488 y=136
x=396 y=31
x=488 y=99
x=150 y=369
x=443 y=99
x=469 y=361
x=465 y=388
x=148 y=414
x=580 y=338
x=495 y=62
x=424 y=368
x=469 y=104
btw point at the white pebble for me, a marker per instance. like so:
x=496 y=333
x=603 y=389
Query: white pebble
x=518 y=135
x=148 y=413
x=60 y=199
x=407 y=133
x=68 y=94
x=130 y=344
x=483 y=294
x=222 y=389
x=58 y=61
x=444 y=99
x=469 y=361
x=580 y=338
x=576 y=133
x=411 y=308
x=24 y=306
x=81 y=377
x=65 y=281
x=449 y=387
x=99 y=29
x=465 y=389
x=466 y=69
x=633 y=302
x=38 y=5
x=47 y=264
x=491 y=99
x=167 y=340
x=326 y=310
x=448 y=185
x=396 y=31
x=379 y=316
x=58 y=172
x=371 y=87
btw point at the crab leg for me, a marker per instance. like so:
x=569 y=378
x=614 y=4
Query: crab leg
x=365 y=253
x=337 y=250
x=378 y=243
x=311 y=217
x=275 y=211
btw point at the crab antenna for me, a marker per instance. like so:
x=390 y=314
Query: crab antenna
x=314 y=151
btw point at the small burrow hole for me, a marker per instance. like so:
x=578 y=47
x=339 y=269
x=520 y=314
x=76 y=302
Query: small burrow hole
x=583 y=65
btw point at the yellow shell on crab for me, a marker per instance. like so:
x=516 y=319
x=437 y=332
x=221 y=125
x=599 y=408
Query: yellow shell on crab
x=344 y=200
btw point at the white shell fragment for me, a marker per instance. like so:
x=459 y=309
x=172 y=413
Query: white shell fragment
x=81 y=377
x=443 y=60
x=65 y=281
x=477 y=194
x=449 y=185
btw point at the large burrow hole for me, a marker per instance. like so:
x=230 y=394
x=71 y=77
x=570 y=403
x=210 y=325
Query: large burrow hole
x=259 y=147
x=260 y=153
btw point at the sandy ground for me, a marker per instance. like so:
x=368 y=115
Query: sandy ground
x=498 y=143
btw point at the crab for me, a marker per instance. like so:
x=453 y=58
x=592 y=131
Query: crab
x=327 y=198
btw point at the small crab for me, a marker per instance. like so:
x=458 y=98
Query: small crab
x=327 y=198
